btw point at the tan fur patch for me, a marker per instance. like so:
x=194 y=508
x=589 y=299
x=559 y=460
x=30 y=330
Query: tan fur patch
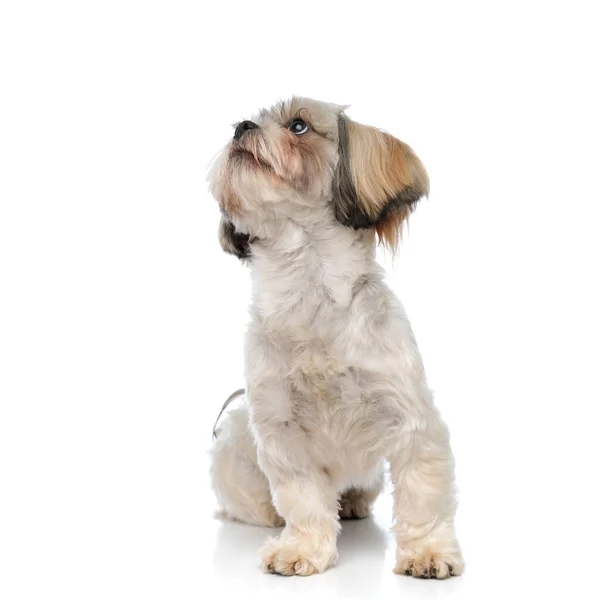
x=383 y=169
x=382 y=166
x=228 y=200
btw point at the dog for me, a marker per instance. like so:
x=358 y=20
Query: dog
x=335 y=382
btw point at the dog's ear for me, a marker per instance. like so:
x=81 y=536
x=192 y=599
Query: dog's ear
x=377 y=182
x=232 y=241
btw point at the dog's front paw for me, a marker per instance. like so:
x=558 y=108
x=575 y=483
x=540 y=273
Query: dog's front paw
x=428 y=562
x=307 y=555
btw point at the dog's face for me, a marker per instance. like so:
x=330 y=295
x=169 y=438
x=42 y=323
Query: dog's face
x=303 y=155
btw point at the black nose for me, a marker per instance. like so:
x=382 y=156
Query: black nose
x=242 y=128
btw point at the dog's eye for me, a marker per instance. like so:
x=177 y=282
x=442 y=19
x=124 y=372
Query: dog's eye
x=298 y=126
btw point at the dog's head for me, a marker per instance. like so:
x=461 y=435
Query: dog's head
x=302 y=155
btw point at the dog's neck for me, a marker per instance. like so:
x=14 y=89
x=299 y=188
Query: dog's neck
x=310 y=267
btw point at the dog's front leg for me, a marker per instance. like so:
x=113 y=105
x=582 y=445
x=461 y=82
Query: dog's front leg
x=307 y=545
x=422 y=471
x=301 y=489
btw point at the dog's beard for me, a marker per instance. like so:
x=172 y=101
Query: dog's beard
x=248 y=158
x=253 y=147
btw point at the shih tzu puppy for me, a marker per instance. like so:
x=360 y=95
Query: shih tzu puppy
x=335 y=382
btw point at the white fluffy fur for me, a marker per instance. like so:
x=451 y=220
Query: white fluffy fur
x=336 y=387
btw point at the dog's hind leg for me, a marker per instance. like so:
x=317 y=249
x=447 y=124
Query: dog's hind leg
x=241 y=487
x=356 y=502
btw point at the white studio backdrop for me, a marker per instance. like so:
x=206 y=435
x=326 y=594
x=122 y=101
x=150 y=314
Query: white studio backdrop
x=121 y=321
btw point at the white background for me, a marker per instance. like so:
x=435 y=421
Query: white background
x=121 y=320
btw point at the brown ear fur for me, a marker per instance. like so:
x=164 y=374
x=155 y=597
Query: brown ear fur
x=232 y=241
x=378 y=181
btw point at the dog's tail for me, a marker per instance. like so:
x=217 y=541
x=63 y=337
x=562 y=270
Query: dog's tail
x=229 y=400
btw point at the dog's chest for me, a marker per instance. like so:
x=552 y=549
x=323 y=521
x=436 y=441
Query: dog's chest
x=325 y=395
x=314 y=371
x=326 y=405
